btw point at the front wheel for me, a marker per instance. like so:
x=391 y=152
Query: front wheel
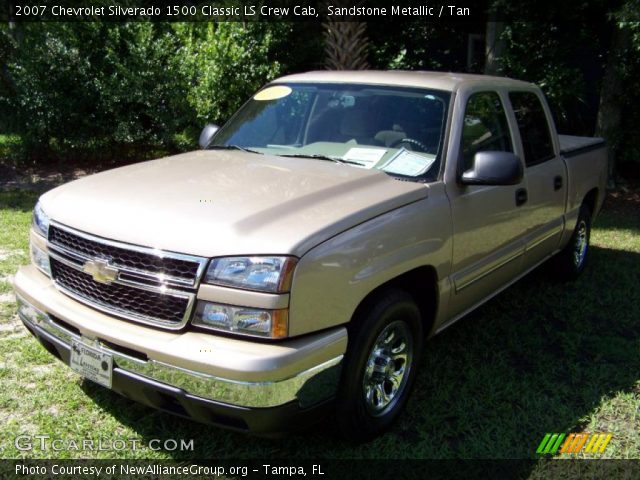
x=380 y=365
x=571 y=261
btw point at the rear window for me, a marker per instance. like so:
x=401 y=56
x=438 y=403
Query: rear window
x=533 y=126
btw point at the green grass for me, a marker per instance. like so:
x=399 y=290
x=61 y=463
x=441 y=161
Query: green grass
x=541 y=357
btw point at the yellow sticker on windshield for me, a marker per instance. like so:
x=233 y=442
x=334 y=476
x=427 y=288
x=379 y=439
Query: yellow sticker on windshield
x=272 y=93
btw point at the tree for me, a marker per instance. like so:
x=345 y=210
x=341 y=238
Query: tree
x=112 y=91
x=495 y=46
x=224 y=63
x=617 y=120
x=346 y=44
x=609 y=120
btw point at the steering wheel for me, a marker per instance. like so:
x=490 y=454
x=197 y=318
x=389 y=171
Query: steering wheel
x=411 y=142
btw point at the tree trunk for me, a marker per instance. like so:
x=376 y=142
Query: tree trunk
x=15 y=28
x=345 y=44
x=609 y=120
x=14 y=36
x=494 y=46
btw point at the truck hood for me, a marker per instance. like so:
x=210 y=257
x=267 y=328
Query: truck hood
x=213 y=203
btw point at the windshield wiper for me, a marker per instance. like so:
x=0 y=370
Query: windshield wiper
x=323 y=157
x=233 y=147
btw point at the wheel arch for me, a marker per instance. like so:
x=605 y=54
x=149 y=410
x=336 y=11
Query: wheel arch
x=590 y=200
x=420 y=283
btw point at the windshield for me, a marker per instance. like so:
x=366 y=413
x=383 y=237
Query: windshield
x=393 y=129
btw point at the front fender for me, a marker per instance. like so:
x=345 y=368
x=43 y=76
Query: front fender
x=334 y=277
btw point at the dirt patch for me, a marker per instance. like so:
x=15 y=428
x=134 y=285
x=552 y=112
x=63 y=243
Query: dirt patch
x=19 y=333
x=624 y=200
x=5 y=254
x=41 y=369
x=13 y=324
x=7 y=298
x=53 y=410
x=26 y=428
x=41 y=179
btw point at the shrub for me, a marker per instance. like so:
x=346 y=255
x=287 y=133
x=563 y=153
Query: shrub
x=113 y=90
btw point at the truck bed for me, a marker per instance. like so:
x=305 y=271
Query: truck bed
x=586 y=160
x=571 y=145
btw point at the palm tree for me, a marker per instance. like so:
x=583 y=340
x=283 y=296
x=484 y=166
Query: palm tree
x=345 y=44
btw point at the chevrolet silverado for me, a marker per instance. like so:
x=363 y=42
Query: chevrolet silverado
x=296 y=264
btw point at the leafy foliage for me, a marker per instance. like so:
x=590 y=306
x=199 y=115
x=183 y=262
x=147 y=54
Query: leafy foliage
x=419 y=45
x=110 y=90
x=134 y=90
x=628 y=21
x=546 y=59
x=224 y=63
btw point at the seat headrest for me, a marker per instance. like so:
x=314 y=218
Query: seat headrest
x=356 y=123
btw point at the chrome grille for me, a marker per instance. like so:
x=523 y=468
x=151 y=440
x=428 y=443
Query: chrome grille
x=151 y=286
x=120 y=298
x=135 y=260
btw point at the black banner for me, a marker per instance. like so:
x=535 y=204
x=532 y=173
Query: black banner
x=438 y=11
x=319 y=469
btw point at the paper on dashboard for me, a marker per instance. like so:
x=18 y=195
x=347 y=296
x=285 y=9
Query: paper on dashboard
x=368 y=157
x=409 y=163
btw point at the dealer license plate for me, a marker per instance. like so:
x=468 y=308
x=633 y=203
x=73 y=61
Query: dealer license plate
x=91 y=363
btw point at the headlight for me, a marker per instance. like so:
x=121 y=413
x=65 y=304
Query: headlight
x=40 y=259
x=40 y=221
x=265 y=274
x=246 y=321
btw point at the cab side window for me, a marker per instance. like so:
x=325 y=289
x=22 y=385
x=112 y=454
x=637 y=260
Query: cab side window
x=533 y=126
x=485 y=127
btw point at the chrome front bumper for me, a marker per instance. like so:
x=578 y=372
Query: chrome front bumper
x=310 y=387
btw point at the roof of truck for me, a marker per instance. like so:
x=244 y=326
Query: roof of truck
x=437 y=80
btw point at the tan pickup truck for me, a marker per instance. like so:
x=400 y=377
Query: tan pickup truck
x=298 y=262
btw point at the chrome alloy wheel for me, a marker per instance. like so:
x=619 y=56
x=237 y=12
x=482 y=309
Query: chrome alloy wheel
x=581 y=244
x=387 y=368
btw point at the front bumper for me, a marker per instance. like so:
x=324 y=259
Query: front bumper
x=263 y=399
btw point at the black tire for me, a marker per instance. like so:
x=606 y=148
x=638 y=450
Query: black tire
x=571 y=261
x=361 y=417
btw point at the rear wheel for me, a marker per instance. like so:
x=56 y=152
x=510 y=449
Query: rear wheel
x=571 y=261
x=380 y=366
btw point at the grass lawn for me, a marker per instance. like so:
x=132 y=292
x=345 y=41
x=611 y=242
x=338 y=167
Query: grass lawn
x=541 y=357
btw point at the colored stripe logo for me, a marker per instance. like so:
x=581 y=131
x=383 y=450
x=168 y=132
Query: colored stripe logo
x=594 y=443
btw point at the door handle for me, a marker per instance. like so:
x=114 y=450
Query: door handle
x=521 y=196
x=557 y=182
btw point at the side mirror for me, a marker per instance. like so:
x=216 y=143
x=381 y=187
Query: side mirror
x=207 y=134
x=494 y=168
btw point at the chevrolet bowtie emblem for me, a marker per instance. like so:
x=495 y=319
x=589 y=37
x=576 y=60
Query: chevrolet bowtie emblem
x=100 y=270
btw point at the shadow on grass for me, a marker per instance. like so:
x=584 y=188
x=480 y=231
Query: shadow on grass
x=539 y=358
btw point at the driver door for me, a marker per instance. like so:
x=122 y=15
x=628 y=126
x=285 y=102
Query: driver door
x=488 y=230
